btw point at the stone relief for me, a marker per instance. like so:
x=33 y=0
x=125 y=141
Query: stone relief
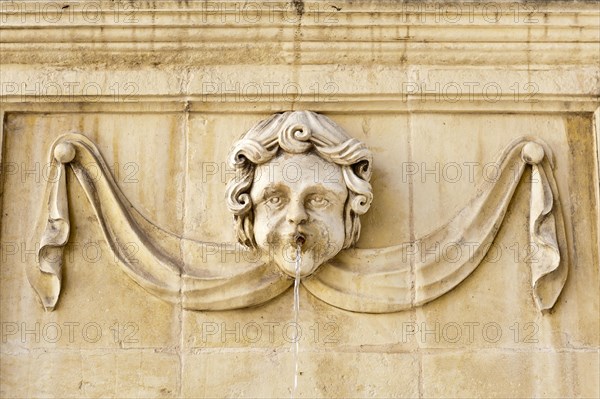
x=301 y=180
x=281 y=212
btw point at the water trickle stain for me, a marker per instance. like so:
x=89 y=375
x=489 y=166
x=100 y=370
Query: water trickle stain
x=299 y=7
x=95 y=124
x=580 y=171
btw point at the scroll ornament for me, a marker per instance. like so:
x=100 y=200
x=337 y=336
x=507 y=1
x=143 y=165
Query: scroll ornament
x=362 y=280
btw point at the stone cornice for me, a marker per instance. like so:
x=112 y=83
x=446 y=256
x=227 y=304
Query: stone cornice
x=267 y=32
x=379 y=56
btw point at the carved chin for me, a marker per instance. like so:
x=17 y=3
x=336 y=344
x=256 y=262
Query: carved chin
x=309 y=262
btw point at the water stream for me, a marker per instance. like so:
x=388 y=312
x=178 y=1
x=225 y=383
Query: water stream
x=296 y=317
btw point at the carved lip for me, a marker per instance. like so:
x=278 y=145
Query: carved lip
x=298 y=237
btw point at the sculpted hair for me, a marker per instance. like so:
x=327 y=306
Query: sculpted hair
x=296 y=133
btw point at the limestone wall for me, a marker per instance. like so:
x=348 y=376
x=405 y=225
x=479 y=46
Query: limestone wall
x=436 y=90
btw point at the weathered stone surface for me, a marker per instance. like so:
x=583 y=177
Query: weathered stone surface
x=357 y=375
x=164 y=89
x=502 y=374
x=98 y=297
x=90 y=374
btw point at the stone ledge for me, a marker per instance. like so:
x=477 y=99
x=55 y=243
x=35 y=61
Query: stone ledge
x=267 y=32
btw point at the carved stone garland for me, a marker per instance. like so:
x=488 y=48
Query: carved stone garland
x=273 y=215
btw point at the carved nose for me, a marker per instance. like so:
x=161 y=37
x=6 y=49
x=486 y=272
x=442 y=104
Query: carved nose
x=296 y=214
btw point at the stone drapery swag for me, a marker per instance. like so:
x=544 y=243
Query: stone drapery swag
x=215 y=276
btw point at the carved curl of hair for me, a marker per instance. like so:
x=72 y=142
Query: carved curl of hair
x=296 y=133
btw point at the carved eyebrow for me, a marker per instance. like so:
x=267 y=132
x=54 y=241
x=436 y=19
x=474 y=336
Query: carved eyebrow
x=326 y=192
x=273 y=189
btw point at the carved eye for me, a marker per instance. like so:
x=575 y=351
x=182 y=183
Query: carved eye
x=318 y=201
x=275 y=200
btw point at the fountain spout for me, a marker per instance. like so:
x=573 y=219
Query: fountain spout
x=299 y=239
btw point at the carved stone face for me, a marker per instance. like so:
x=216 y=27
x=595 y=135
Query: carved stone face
x=299 y=198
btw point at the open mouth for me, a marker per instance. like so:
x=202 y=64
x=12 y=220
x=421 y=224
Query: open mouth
x=299 y=239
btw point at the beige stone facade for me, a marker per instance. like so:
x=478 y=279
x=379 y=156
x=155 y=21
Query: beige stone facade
x=436 y=90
